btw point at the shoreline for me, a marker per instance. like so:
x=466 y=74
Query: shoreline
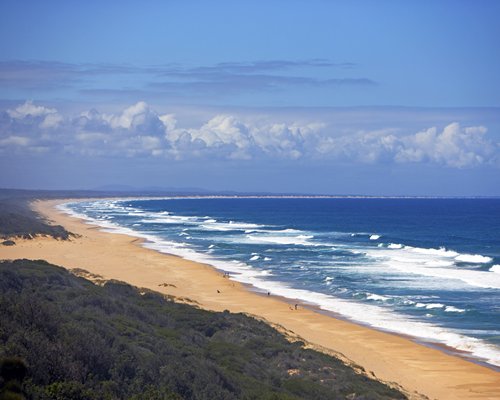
x=386 y=356
x=150 y=243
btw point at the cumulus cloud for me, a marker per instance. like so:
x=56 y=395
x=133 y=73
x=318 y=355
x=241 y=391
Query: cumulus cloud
x=223 y=133
x=28 y=109
x=140 y=131
x=138 y=117
x=230 y=137
x=43 y=116
x=366 y=147
x=454 y=146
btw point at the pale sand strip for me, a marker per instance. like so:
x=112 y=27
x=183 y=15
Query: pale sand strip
x=390 y=357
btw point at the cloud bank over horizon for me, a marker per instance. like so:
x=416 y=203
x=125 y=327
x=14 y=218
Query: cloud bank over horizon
x=139 y=131
x=323 y=97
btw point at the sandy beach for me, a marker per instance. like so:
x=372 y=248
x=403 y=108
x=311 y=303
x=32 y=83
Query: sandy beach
x=419 y=370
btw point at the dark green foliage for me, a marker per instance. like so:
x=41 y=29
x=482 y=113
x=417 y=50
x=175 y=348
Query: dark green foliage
x=12 y=373
x=18 y=219
x=81 y=341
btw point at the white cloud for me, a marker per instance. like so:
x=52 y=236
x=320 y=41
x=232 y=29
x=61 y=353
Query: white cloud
x=14 y=141
x=229 y=137
x=29 y=109
x=51 y=121
x=133 y=117
x=366 y=147
x=89 y=137
x=139 y=130
x=44 y=116
x=168 y=121
x=454 y=146
x=280 y=139
x=225 y=129
x=227 y=133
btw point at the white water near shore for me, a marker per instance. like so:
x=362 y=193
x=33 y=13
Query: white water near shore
x=434 y=263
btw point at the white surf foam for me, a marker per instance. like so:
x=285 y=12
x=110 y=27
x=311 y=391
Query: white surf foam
x=381 y=318
x=495 y=268
x=473 y=258
x=434 y=305
x=277 y=239
x=376 y=297
x=437 y=263
x=370 y=314
x=213 y=225
x=454 y=309
x=429 y=306
x=171 y=219
x=244 y=225
x=441 y=252
x=374 y=237
x=66 y=208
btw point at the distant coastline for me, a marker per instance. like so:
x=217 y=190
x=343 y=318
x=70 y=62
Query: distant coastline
x=28 y=194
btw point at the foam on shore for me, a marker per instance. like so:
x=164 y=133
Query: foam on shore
x=364 y=313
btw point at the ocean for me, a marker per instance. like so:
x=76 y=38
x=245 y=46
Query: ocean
x=426 y=268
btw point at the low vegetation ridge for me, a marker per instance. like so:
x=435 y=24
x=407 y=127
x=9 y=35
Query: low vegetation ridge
x=17 y=219
x=63 y=337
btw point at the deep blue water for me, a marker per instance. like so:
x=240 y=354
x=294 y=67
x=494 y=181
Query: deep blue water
x=429 y=268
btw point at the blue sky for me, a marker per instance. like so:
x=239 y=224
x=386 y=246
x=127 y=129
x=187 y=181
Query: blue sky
x=368 y=97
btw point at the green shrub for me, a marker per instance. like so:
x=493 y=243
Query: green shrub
x=82 y=341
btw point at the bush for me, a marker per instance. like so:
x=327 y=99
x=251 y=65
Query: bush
x=83 y=341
